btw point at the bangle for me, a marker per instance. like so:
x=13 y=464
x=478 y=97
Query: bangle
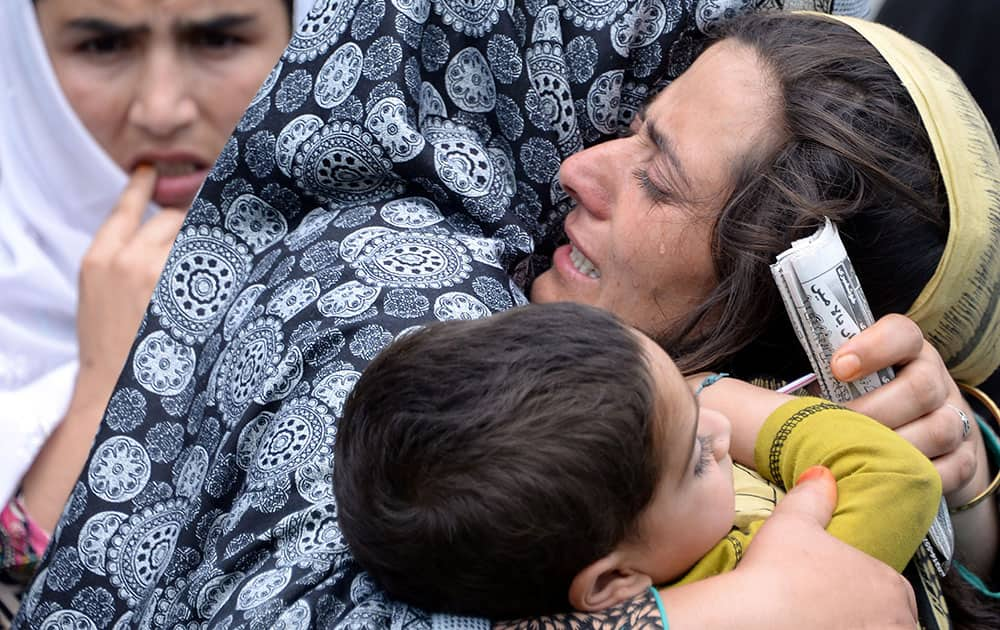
x=990 y=440
x=711 y=379
x=659 y=604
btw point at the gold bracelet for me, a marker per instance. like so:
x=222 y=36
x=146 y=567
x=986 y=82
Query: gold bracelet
x=991 y=442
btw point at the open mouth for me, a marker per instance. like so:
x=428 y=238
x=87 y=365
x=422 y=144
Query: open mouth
x=176 y=169
x=582 y=263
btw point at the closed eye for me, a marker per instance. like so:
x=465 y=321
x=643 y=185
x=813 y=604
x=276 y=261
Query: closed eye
x=656 y=194
x=705 y=455
x=214 y=39
x=105 y=45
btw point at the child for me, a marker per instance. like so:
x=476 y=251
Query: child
x=485 y=469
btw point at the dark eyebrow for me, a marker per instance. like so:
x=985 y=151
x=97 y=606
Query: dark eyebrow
x=664 y=144
x=218 y=23
x=98 y=26
x=222 y=22
x=666 y=148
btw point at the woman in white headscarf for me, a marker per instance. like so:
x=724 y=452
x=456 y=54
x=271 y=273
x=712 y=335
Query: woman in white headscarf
x=99 y=97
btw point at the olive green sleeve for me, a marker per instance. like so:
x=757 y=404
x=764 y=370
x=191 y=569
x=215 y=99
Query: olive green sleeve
x=888 y=492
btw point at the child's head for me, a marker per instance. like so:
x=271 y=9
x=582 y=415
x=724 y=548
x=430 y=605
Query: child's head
x=514 y=465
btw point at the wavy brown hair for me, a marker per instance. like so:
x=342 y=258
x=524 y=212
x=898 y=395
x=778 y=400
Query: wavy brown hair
x=851 y=147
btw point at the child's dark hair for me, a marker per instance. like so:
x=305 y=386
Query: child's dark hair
x=480 y=465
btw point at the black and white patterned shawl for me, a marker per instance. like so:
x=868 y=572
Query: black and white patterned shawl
x=398 y=166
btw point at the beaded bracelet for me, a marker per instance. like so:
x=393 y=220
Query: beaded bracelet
x=711 y=379
x=990 y=440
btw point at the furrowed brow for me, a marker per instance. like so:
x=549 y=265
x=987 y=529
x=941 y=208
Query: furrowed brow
x=97 y=26
x=666 y=147
x=222 y=22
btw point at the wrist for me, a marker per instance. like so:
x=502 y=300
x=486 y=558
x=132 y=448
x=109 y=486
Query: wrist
x=747 y=407
x=983 y=488
x=704 y=604
x=974 y=507
x=708 y=381
x=91 y=393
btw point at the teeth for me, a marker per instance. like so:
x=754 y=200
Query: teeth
x=582 y=263
x=175 y=169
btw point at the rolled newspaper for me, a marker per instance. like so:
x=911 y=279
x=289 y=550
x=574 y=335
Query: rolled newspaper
x=827 y=307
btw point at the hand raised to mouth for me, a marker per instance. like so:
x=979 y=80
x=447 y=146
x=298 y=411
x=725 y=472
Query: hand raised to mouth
x=119 y=272
x=117 y=278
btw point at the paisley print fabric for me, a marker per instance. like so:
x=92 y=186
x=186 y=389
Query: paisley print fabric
x=399 y=166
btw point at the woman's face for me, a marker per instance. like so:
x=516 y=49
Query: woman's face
x=163 y=82
x=646 y=204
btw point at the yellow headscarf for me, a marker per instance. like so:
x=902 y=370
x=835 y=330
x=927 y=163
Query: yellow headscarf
x=958 y=309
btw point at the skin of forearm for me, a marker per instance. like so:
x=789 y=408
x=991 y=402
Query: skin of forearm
x=747 y=407
x=48 y=483
x=699 y=606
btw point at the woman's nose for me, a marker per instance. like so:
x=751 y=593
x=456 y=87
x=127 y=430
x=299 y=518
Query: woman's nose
x=163 y=102
x=591 y=177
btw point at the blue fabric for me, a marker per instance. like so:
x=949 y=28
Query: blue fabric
x=710 y=380
x=660 y=607
x=398 y=166
x=976 y=582
x=992 y=443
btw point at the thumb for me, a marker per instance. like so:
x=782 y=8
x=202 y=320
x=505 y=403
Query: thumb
x=814 y=497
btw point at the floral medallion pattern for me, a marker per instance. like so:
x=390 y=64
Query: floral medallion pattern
x=399 y=166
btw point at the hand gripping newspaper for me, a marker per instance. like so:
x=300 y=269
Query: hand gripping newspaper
x=827 y=307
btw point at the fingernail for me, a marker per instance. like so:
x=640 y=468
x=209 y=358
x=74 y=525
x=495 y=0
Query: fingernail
x=144 y=168
x=847 y=367
x=814 y=472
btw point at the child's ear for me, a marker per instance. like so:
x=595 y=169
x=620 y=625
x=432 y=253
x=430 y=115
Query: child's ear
x=605 y=583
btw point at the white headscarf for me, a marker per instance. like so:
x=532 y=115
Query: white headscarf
x=57 y=186
x=301 y=8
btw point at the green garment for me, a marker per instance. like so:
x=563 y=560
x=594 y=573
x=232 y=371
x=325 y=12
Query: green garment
x=888 y=492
